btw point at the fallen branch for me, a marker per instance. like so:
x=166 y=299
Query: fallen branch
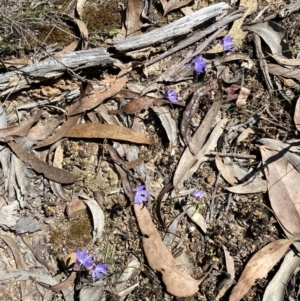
x=54 y=67
x=170 y=31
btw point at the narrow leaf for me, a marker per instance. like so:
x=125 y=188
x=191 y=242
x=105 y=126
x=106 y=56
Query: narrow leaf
x=259 y=266
x=107 y=131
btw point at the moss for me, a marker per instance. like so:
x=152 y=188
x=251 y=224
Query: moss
x=72 y=234
x=102 y=17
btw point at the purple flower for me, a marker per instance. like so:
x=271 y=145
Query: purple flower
x=199 y=64
x=98 y=270
x=227 y=43
x=171 y=95
x=81 y=259
x=198 y=194
x=140 y=195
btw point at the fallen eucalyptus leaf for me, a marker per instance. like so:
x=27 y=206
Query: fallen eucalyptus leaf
x=178 y=283
x=255 y=186
x=258 y=266
x=98 y=216
x=282 y=179
x=50 y=172
x=107 y=131
x=271 y=33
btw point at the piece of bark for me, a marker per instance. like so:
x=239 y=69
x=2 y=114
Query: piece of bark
x=54 y=67
x=172 y=30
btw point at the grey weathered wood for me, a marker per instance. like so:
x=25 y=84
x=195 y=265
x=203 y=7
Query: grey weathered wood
x=52 y=68
x=170 y=31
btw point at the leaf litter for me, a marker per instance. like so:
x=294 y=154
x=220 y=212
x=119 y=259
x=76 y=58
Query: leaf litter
x=78 y=137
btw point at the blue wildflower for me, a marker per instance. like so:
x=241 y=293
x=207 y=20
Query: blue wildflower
x=198 y=194
x=227 y=43
x=199 y=64
x=171 y=95
x=98 y=270
x=81 y=259
x=140 y=195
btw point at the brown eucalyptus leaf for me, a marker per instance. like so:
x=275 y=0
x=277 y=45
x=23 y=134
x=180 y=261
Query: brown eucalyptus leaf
x=178 y=281
x=225 y=170
x=136 y=105
x=68 y=282
x=255 y=186
x=242 y=98
x=285 y=72
x=133 y=17
x=107 y=131
x=283 y=188
x=23 y=128
x=97 y=97
x=79 y=7
x=175 y=4
x=271 y=33
x=60 y=133
x=258 y=266
x=284 y=61
x=50 y=172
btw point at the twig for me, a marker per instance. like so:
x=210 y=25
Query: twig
x=239 y=156
x=212 y=203
x=199 y=35
x=263 y=63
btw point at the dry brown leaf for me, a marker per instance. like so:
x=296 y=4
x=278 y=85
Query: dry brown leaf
x=97 y=97
x=283 y=188
x=255 y=186
x=297 y=114
x=225 y=170
x=244 y=135
x=60 y=133
x=138 y=104
x=174 y=4
x=242 y=98
x=16 y=63
x=79 y=7
x=230 y=270
x=52 y=173
x=284 y=61
x=69 y=48
x=133 y=17
x=258 y=266
x=282 y=71
x=42 y=130
x=82 y=29
x=178 y=282
x=23 y=128
x=107 y=131
x=62 y=285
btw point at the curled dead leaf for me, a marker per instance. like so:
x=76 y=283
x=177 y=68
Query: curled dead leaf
x=178 y=282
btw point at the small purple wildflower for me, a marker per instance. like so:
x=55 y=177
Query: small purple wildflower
x=227 y=43
x=98 y=270
x=81 y=259
x=171 y=95
x=140 y=195
x=199 y=64
x=198 y=194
